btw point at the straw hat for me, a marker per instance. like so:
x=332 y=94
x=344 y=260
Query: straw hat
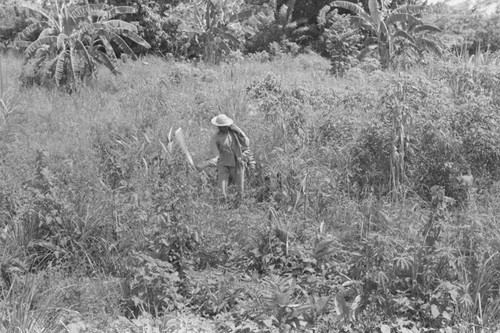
x=222 y=120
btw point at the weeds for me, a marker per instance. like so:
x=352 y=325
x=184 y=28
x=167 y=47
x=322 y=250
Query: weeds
x=348 y=223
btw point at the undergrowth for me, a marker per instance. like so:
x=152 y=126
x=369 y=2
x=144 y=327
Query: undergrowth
x=373 y=206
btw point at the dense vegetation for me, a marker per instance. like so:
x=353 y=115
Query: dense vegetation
x=373 y=208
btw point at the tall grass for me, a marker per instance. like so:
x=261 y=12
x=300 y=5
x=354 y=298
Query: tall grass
x=28 y=307
x=110 y=190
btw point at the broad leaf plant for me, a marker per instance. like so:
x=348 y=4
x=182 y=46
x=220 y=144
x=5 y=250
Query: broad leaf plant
x=391 y=27
x=73 y=40
x=213 y=24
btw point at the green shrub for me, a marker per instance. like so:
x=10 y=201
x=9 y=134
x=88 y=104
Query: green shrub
x=339 y=40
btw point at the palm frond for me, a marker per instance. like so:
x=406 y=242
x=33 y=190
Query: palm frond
x=73 y=63
x=322 y=15
x=425 y=27
x=114 y=32
x=365 y=52
x=277 y=291
x=402 y=17
x=384 y=30
x=415 y=48
x=60 y=65
x=41 y=57
x=21 y=44
x=244 y=14
x=37 y=10
x=88 y=59
x=289 y=11
x=430 y=45
x=30 y=29
x=228 y=36
x=198 y=17
x=122 y=25
x=356 y=9
x=132 y=36
x=403 y=34
x=103 y=59
x=109 y=50
x=46 y=32
x=375 y=13
x=409 y=9
x=224 y=47
x=88 y=10
x=49 y=40
x=362 y=23
x=120 y=10
x=61 y=41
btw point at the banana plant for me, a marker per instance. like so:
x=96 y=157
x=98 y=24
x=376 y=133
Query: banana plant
x=73 y=40
x=387 y=26
x=210 y=21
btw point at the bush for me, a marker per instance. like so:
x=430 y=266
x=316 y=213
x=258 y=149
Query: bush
x=467 y=28
x=339 y=40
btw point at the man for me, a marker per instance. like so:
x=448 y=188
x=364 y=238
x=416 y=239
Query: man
x=227 y=147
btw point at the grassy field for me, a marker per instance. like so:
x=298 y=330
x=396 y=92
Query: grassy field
x=360 y=217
